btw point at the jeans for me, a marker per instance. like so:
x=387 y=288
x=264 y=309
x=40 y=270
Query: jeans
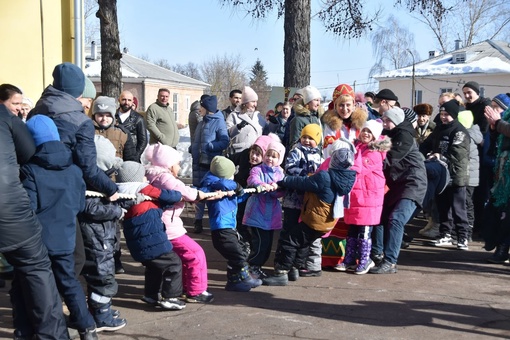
x=199 y=210
x=387 y=237
x=37 y=308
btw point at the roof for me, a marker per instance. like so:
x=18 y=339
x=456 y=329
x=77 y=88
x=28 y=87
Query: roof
x=485 y=57
x=133 y=67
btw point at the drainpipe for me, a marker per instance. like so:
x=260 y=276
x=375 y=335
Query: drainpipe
x=78 y=32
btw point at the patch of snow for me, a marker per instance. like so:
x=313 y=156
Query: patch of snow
x=93 y=69
x=183 y=147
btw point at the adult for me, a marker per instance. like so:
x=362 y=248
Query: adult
x=425 y=126
x=33 y=291
x=384 y=100
x=132 y=122
x=88 y=95
x=306 y=111
x=161 y=121
x=245 y=124
x=279 y=123
x=235 y=97
x=12 y=97
x=26 y=106
x=194 y=118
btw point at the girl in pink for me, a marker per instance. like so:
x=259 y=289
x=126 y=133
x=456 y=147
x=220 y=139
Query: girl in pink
x=366 y=197
x=164 y=165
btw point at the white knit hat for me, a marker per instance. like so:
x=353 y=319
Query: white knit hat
x=310 y=93
x=249 y=95
x=375 y=126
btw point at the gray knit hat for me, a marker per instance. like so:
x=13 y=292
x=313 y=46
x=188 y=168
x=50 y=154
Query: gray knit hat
x=395 y=114
x=104 y=104
x=130 y=172
x=343 y=157
x=106 y=159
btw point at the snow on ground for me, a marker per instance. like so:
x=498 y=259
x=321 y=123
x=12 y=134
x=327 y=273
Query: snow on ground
x=183 y=146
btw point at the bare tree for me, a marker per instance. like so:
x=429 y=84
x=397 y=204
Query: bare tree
x=163 y=63
x=223 y=73
x=91 y=23
x=190 y=69
x=111 y=77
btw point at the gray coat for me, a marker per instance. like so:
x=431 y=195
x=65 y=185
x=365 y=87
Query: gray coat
x=474 y=159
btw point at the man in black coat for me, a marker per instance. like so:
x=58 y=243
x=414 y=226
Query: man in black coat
x=21 y=242
x=133 y=122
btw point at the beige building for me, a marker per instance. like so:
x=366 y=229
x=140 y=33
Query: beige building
x=487 y=63
x=144 y=79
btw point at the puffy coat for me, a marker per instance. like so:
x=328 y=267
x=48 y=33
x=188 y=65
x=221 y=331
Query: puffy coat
x=474 y=158
x=57 y=193
x=135 y=125
x=77 y=132
x=244 y=138
x=18 y=222
x=302 y=117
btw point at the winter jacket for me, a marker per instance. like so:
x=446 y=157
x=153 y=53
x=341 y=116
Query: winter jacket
x=244 y=138
x=57 y=194
x=474 y=159
x=500 y=192
x=367 y=194
x=243 y=166
x=121 y=140
x=211 y=139
x=135 y=126
x=478 y=108
x=194 y=118
x=18 y=223
x=302 y=117
x=321 y=189
x=76 y=130
x=452 y=142
x=144 y=229
x=264 y=210
x=162 y=178
x=301 y=161
x=222 y=212
x=277 y=125
x=335 y=127
x=404 y=167
x=161 y=124
x=424 y=131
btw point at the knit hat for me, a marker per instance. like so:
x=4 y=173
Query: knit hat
x=473 y=85
x=395 y=114
x=90 y=90
x=410 y=115
x=43 y=129
x=162 y=155
x=386 y=94
x=28 y=102
x=314 y=131
x=278 y=147
x=69 y=78
x=104 y=104
x=263 y=141
x=466 y=118
x=248 y=95
x=130 y=172
x=210 y=103
x=222 y=167
x=106 y=159
x=423 y=109
x=342 y=89
x=375 y=126
x=343 y=157
x=310 y=93
x=503 y=100
x=451 y=107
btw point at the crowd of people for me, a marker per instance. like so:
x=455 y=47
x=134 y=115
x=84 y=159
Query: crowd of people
x=73 y=181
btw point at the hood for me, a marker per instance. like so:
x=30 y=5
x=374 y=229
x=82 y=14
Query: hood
x=195 y=106
x=217 y=115
x=342 y=180
x=131 y=188
x=53 y=155
x=382 y=144
x=405 y=126
x=54 y=102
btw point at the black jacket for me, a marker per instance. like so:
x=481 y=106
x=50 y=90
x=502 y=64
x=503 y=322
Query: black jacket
x=135 y=125
x=18 y=223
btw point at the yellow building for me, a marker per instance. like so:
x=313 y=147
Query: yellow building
x=36 y=36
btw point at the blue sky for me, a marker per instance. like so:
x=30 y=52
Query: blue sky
x=194 y=31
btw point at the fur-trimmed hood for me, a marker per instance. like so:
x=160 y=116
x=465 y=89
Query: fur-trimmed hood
x=301 y=110
x=333 y=120
x=383 y=144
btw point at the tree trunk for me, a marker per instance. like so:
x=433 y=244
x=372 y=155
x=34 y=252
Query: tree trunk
x=296 y=46
x=111 y=77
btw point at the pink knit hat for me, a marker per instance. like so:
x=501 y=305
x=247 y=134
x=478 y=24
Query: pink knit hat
x=264 y=141
x=278 y=147
x=162 y=155
x=249 y=95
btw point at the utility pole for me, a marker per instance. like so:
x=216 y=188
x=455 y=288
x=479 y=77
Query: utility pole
x=413 y=95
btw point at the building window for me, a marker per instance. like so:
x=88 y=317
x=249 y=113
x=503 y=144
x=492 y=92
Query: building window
x=175 y=105
x=188 y=103
x=443 y=90
x=418 y=96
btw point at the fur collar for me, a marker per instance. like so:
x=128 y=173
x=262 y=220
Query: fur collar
x=333 y=120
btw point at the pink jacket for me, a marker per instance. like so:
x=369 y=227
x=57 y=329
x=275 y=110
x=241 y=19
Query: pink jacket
x=367 y=195
x=163 y=179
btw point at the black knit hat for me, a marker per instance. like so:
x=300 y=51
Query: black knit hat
x=452 y=107
x=473 y=85
x=410 y=115
x=386 y=94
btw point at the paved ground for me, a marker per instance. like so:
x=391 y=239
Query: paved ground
x=437 y=293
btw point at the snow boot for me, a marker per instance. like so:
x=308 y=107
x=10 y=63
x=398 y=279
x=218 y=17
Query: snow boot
x=365 y=262
x=351 y=250
x=100 y=308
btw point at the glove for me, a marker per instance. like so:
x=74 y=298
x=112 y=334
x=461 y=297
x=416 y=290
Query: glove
x=124 y=211
x=242 y=124
x=281 y=184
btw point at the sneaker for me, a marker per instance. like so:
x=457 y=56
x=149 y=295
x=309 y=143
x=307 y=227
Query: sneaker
x=462 y=245
x=205 y=297
x=256 y=272
x=309 y=273
x=238 y=286
x=444 y=241
x=377 y=258
x=293 y=274
x=115 y=313
x=172 y=303
x=198 y=227
x=110 y=325
x=363 y=269
x=149 y=300
x=385 y=268
x=344 y=267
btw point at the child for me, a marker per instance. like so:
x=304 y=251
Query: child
x=98 y=223
x=162 y=173
x=303 y=160
x=56 y=188
x=222 y=218
x=318 y=215
x=366 y=197
x=146 y=240
x=263 y=211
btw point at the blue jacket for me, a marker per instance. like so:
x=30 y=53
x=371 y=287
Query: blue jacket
x=76 y=130
x=57 y=194
x=211 y=138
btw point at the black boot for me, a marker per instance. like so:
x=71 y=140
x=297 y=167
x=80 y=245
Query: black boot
x=103 y=316
x=279 y=278
x=119 y=269
x=88 y=334
x=198 y=227
x=500 y=256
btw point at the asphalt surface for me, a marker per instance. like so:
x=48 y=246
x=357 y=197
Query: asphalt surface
x=437 y=293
